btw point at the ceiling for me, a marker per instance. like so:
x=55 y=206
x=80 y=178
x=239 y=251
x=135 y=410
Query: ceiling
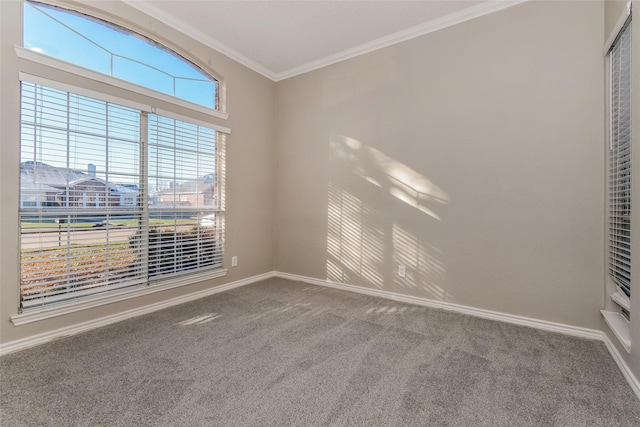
x=281 y=39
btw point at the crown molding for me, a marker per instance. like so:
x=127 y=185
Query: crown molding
x=485 y=8
x=147 y=8
x=452 y=19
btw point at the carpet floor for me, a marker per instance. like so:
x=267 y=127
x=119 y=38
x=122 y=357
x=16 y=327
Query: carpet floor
x=282 y=353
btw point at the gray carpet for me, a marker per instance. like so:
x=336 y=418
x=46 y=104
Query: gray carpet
x=291 y=354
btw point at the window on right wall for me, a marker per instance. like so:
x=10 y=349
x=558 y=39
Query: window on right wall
x=619 y=179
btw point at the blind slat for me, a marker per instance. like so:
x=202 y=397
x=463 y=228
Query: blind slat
x=620 y=162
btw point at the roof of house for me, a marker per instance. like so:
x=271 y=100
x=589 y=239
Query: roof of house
x=192 y=186
x=33 y=187
x=41 y=177
x=38 y=173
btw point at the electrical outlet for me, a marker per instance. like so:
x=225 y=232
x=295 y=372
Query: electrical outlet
x=234 y=261
x=402 y=271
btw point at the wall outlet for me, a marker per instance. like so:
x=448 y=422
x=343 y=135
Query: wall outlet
x=402 y=271
x=234 y=261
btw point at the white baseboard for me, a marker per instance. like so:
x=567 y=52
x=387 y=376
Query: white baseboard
x=38 y=339
x=622 y=365
x=471 y=311
x=35 y=340
x=544 y=325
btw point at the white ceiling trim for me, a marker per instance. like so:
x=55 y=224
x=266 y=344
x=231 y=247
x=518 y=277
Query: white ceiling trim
x=167 y=19
x=404 y=35
x=458 y=17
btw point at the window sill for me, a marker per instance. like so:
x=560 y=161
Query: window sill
x=36 y=315
x=620 y=327
x=622 y=301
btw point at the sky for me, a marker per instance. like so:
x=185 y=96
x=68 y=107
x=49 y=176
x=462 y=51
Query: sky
x=107 y=49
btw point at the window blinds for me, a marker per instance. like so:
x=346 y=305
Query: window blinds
x=620 y=162
x=101 y=210
x=185 y=187
x=79 y=199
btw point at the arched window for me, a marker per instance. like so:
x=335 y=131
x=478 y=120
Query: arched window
x=111 y=50
x=121 y=191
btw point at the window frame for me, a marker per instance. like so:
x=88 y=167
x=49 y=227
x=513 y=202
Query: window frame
x=66 y=67
x=616 y=216
x=618 y=308
x=42 y=69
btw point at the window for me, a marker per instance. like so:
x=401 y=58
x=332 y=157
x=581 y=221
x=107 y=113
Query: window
x=110 y=50
x=75 y=241
x=78 y=154
x=115 y=194
x=620 y=168
x=184 y=177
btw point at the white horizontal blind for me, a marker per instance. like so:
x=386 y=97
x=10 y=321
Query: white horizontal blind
x=99 y=210
x=79 y=196
x=186 y=216
x=620 y=162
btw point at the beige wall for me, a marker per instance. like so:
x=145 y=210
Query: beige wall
x=249 y=148
x=473 y=155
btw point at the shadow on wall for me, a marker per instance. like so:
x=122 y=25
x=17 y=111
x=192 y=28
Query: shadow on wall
x=367 y=240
